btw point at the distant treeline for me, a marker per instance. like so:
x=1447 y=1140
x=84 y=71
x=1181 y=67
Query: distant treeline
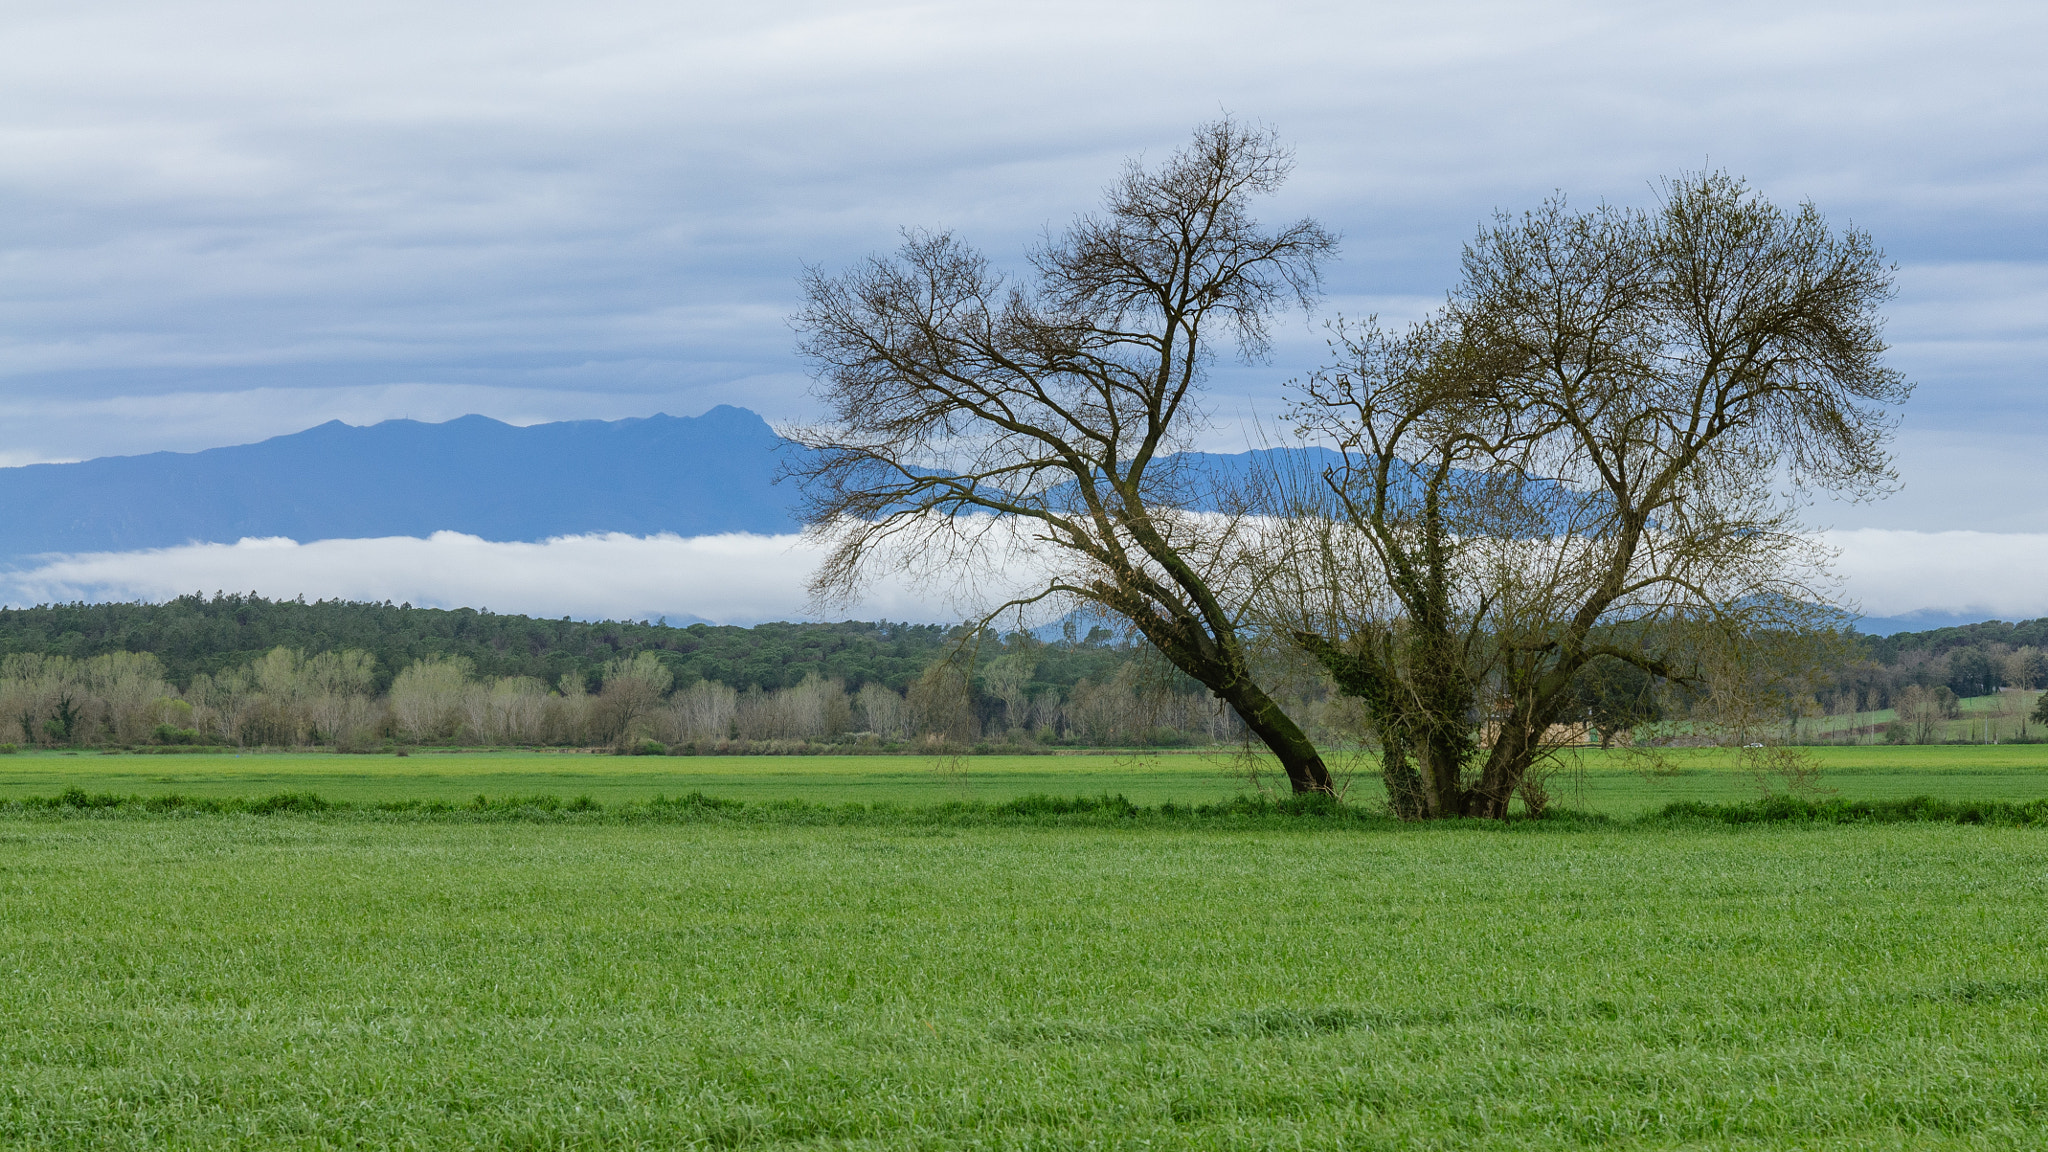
x=1968 y=660
x=194 y=634
x=288 y=698
x=246 y=671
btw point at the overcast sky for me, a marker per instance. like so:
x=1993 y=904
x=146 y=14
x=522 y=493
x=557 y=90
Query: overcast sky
x=231 y=220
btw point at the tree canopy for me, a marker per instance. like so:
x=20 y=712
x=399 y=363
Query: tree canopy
x=1021 y=430
x=1592 y=455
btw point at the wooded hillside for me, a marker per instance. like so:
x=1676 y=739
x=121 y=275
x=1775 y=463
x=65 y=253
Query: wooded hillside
x=193 y=634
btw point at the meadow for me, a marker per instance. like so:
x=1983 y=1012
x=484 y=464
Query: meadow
x=1614 y=783
x=229 y=982
x=363 y=979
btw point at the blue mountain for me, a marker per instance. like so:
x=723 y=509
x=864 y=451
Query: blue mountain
x=692 y=476
x=688 y=475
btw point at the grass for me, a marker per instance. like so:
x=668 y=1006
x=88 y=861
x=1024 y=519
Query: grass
x=1600 y=782
x=313 y=981
x=2002 y=715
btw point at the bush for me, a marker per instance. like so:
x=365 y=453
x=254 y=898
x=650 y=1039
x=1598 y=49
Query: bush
x=1040 y=804
x=9 y=749
x=356 y=742
x=1798 y=810
x=170 y=734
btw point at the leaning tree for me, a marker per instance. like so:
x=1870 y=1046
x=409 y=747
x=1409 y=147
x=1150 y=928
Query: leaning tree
x=1030 y=423
x=1596 y=454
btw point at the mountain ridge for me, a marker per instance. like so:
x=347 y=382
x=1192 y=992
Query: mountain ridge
x=691 y=475
x=641 y=476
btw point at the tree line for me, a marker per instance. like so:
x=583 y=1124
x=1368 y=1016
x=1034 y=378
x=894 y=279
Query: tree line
x=1010 y=692
x=195 y=634
x=994 y=691
x=1967 y=660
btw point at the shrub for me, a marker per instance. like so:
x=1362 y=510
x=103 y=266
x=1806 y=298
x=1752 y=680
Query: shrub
x=1040 y=804
x=288 y=802
x=1785 y=809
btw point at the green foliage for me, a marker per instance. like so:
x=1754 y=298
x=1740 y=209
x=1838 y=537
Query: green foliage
x=1614 y=696
x=170 y=734
x=61 y=726
x=697 y=806
x=195 y=634
x=1939 y=641
x=1030 y=808
x=1914 y=809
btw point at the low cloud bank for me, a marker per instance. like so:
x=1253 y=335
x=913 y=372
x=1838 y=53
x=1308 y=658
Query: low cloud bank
x=736 y=578
x=744 y=579
x=2000 y=575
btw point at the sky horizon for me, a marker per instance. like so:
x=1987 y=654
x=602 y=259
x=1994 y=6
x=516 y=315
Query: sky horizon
x=234 y=221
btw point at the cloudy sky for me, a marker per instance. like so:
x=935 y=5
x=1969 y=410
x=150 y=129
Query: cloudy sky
x=232 y=220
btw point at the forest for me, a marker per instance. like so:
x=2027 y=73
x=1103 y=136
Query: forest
x=194 y=634
x=244 y=671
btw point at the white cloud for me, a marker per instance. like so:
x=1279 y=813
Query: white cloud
x=729 y=579
x=1894 y=573
x=229 y=197
x=745 y=579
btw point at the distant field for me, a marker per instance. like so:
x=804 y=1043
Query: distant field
x=264 y=982
x=1596 y=781
x=1984 y=719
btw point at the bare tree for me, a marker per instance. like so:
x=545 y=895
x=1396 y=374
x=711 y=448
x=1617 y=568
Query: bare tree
x=702 y=714
x=940 y=704
x=1009 y=679
x=974 y=418
x=426 y=697
x=2025 y=668
x=1595 y=453
x=633 y=689
x=882 y=712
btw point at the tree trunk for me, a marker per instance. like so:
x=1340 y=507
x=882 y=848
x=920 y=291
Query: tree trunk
x=1404 y=783
x=1220 y=666
x=1443 y=771
x=1505 y=767
x=1298 y=756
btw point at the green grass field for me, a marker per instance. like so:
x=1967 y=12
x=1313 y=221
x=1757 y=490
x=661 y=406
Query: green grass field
x=261 y=982
x=1595 y=781
x=367 y=980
